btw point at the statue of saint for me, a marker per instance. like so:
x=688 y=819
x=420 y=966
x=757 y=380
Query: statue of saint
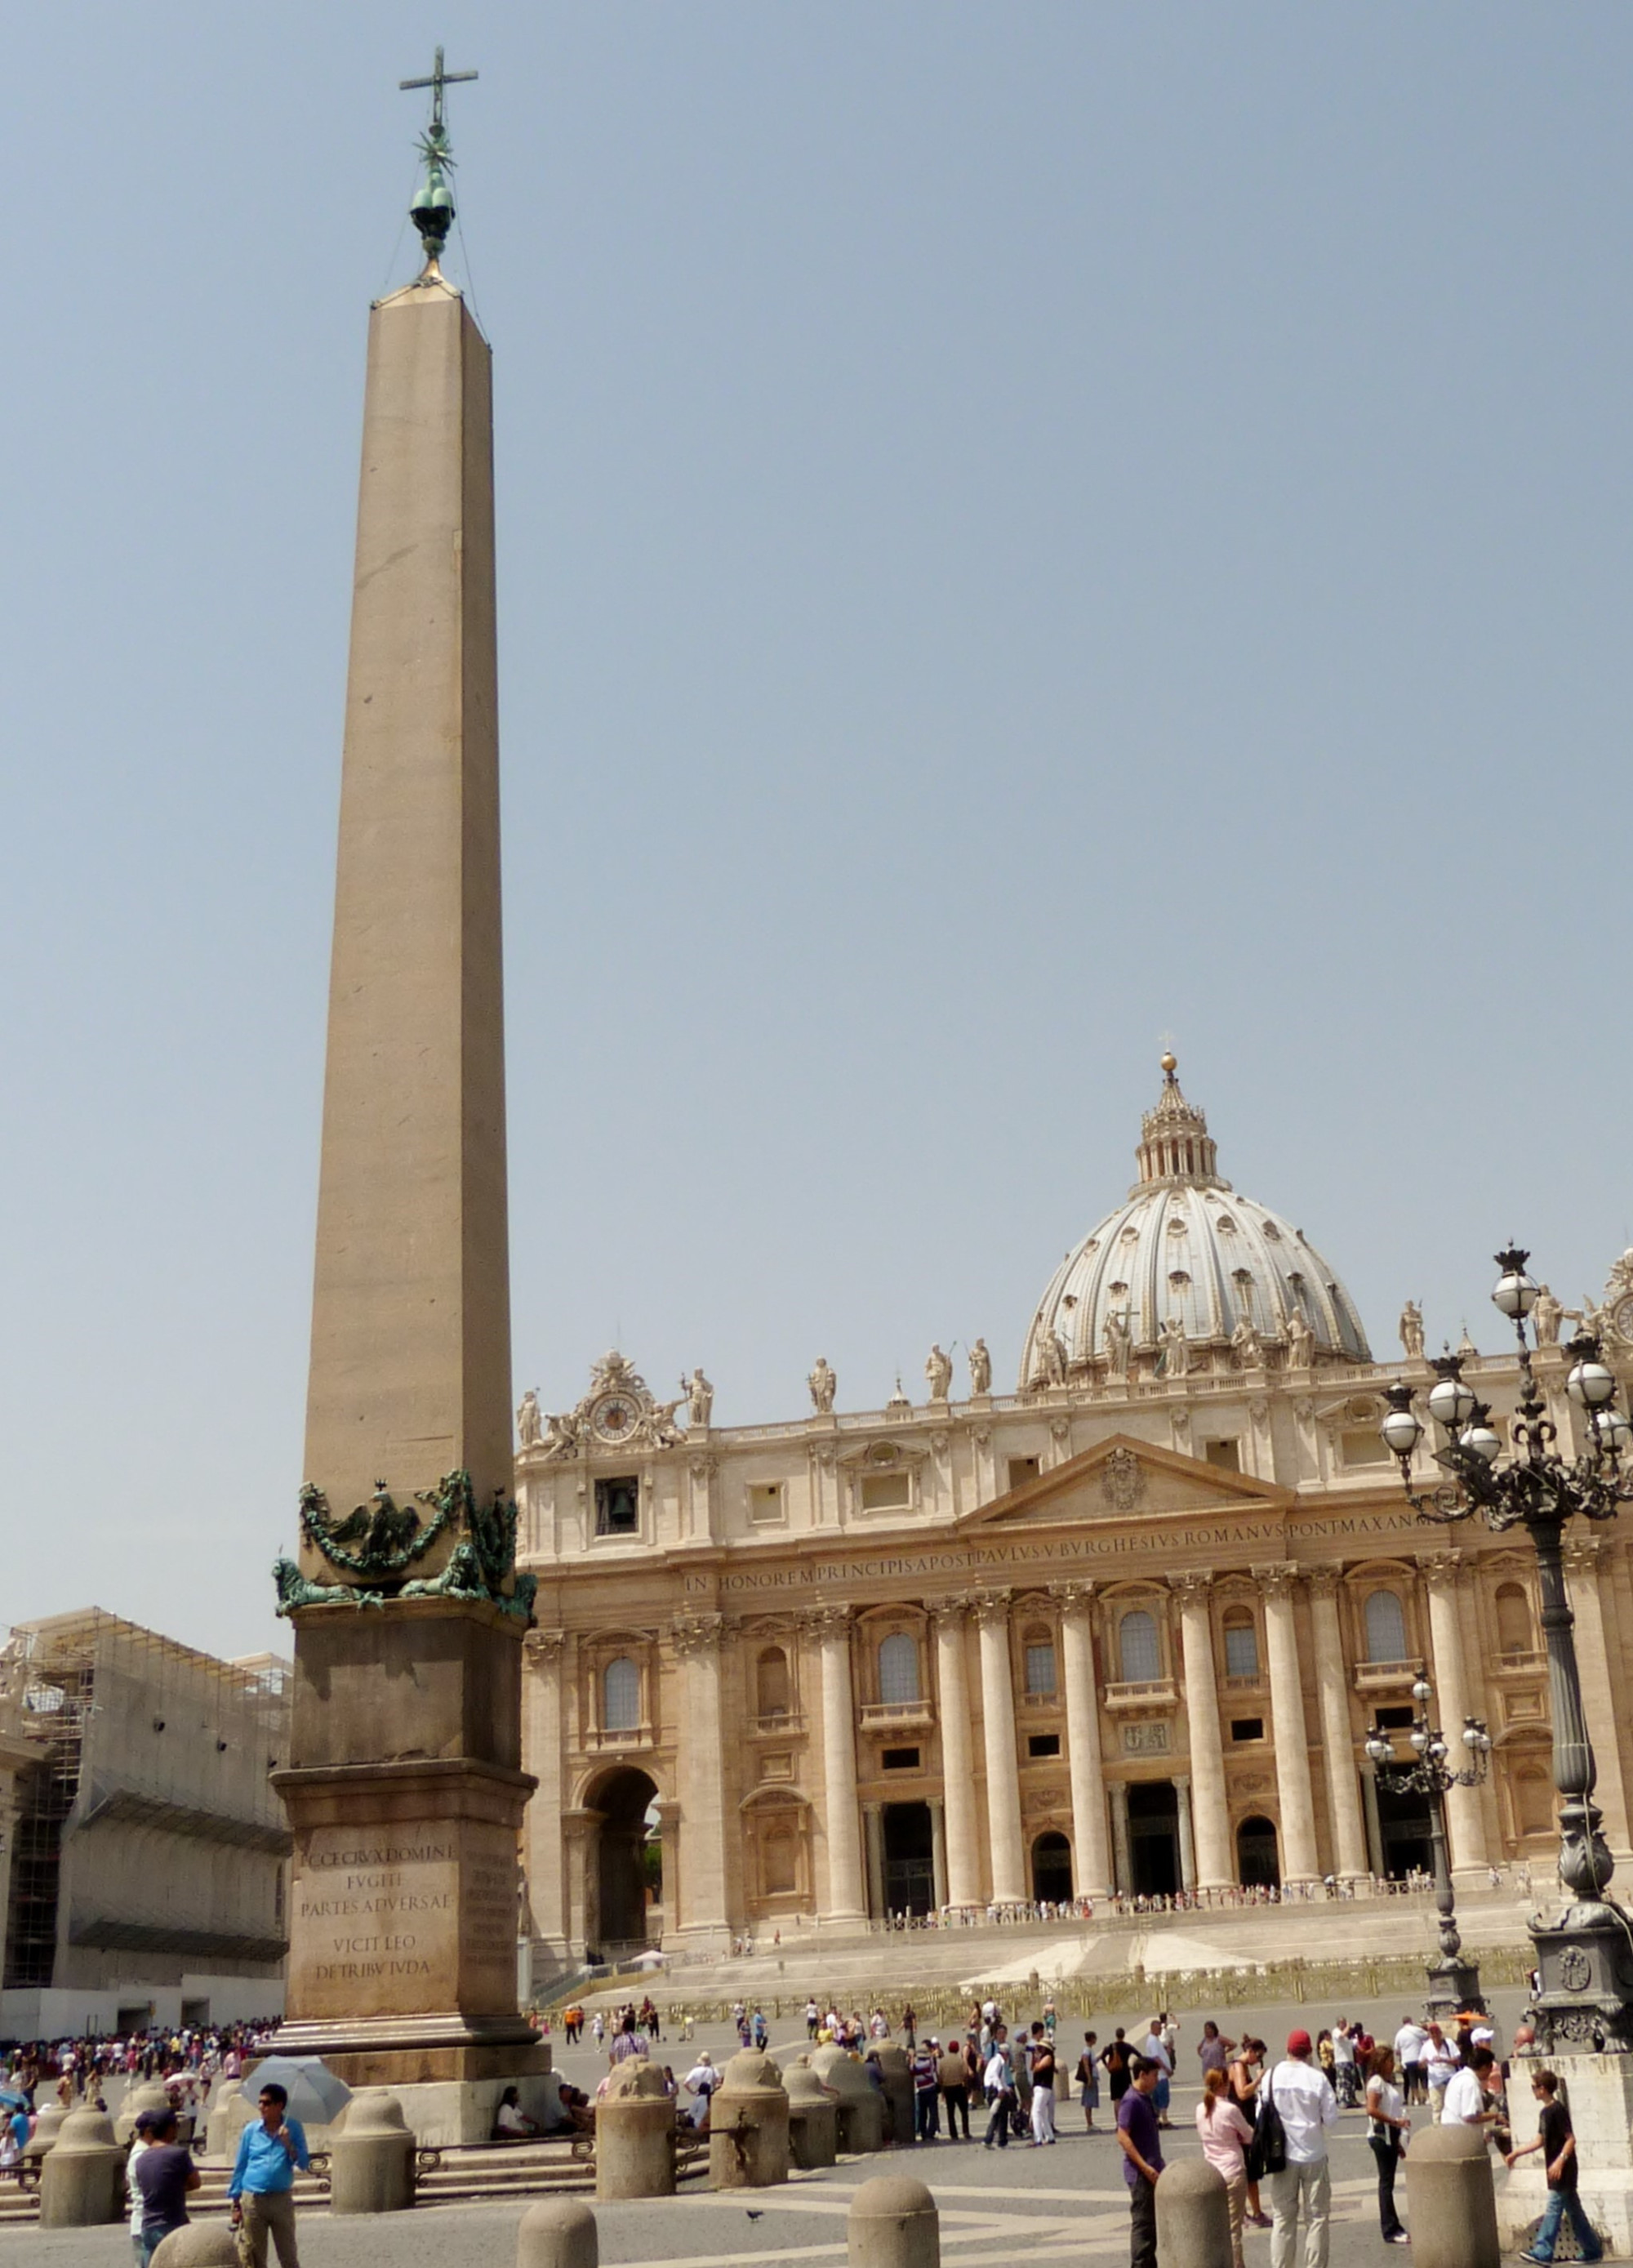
x=1176 y=1349
x=1118 y=1340
x=824 y=1384
x=1412 y=1330
x=561 y=1434
x=1300 y=1341
x=1548 y=1315
x=1050 y=1359
x=938 y=1374
x=980 y=1368
x=1249 y=1348
x=700 y=1397
x=529 y=1423
x=658 y=1424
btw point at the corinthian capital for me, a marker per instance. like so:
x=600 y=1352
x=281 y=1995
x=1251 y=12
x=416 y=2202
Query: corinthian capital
x=1442 y=1570
x=545 y=1645
x=1584 y=1555
x=827 y=1622
x=1323 y=1582
x=1277 y=1580
x=991 y=1607
x=1075 y=1598
x=691 y=1634
x=1193 y=1586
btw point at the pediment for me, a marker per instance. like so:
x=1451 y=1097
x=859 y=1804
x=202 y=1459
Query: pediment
x=1120 y=1478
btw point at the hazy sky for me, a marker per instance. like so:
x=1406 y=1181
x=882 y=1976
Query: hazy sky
x=1023 y=530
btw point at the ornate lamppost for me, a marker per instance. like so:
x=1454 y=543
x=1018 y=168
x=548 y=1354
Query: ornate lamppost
x=1585 y=1958
x=1453 y=1983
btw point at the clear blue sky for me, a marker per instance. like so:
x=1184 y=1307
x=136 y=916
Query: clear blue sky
x=1024 y=529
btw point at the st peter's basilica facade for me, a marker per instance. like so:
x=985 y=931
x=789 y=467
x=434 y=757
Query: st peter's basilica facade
x=1127 y=1627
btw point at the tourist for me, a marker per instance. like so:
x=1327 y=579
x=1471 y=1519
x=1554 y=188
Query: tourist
x=1440 y=2060
x=261 y=2189
x=598 y=2028
x=1088 y=2078
x=1465 y=2102
x=1306 y=2106
x=1141 y=2143
x=760 y=2029
x=164 y=2173
x=1556 y=2140
x=510 y=2122
x=701 y=2082
x=1409 y=2043
x=1041 y=2068
x=1154 y=2047
x=954 y=2082
x=926 y=2091
x=1213 y=2052
x=141 y=2142
x=1387 y=2127
x=1246 y=2073
x=1226 y=2135
x=998 y=2084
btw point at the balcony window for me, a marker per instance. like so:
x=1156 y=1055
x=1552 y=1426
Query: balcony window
x=898 y=1669
x=1385 y=1627
x=1139 y=1652
x=620 y=1696
x=1039 y=1665
x=771 y=1682
x=1513 y=1620
x=1241 y=1648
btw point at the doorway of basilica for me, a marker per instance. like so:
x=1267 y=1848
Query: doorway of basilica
x=1051 y=1869
x=1403 y=1832
x=1257 y=1866
x=909 y=1858
x=1154 y=1838
x=618 y=1908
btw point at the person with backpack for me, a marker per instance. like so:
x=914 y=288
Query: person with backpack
x=1297 y=2108
x=1116 y=2059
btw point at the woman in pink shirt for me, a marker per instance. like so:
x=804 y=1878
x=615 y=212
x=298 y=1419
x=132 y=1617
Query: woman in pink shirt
x=1226 y=2135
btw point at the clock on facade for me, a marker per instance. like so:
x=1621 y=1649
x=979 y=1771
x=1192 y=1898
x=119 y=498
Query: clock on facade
x=613 y=1418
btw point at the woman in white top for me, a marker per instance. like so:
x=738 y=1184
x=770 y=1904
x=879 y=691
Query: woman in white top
x=1387 y=2127
x=1226 y=2135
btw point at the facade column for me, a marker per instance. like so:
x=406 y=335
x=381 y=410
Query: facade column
x=839 y=1770
x=702 y=1908
x=1374 y=1825
x=1292 y=1739
x=542 y=1755
x=1187 y=1848
x=1583 y=1555
x=1343 y=1792
x=997 y=1714
x=579 y=1832
x=958 y=1757
x=1465 y=1818
x=1213 y=1870
x=1091 y=1864
x=1119 y=1836
x=874 y=1840
x=938 y=1850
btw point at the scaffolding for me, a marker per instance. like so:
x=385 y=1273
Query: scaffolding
x=137 y=1733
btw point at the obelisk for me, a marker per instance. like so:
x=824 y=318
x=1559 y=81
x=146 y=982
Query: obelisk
x=404 y=1787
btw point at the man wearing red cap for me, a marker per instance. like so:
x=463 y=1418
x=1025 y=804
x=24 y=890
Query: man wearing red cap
x=1306 y=2105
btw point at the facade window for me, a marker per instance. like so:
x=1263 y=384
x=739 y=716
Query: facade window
x=887 y=1492
x=771 y=1682
x=620 y=1696
x=1040 y=1662
x=899 y=1760
x=780 y=1861
x=1513 y=1619
x=1136 y=1645
x=1385 y=1627
x=1241 y=1647
x=1227 y=1455
x=765 y=1500
x=1246 y=1728
x=618 y=1505
x=1043 y=1744
x=1022 y=1469
x=898 y=1669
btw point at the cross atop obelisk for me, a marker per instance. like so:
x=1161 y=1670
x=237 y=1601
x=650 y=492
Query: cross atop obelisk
x=432 y=208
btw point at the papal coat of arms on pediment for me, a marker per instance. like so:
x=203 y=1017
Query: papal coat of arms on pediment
x=1122 y=1480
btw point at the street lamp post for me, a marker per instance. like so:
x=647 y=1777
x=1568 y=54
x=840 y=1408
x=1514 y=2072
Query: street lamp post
x=1585 y=1958
x=1453 y=1983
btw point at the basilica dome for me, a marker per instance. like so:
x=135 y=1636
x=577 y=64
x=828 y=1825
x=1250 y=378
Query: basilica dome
x=1187 y=1275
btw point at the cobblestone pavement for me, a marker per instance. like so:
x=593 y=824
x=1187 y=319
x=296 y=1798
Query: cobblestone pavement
x=997 y=2206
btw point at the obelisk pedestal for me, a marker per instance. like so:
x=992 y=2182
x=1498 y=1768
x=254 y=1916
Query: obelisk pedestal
x=404 y=1786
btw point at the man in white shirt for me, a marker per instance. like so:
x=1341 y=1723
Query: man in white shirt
x=1408 y=2053
x=1440 y=2061
x=1465 y=2103
x=1154 y=2047
x=1307 y=2107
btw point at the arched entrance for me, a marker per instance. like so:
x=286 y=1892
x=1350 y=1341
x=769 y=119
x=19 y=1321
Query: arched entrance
x=1258 y=1864
x=1051 y=1868
x=909 y=1859
x=1403 y=1832
x=617 y=1909
x=1154 y=1838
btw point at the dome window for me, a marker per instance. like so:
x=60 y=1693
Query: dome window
x=1119 y=1290
x=1271 y=1231
x=1179 y=1227
x=1227 y=1225
x=1179 y=1280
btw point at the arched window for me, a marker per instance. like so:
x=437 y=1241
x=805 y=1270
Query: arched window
x=1385 y=1627
x=782 y=1861
x=1533 y=1803
x=1513 y=1619
x=898 y=1669
x=771 y=1682
x=620 y=1696
x=1040 y=1660
x=1241 y=1644
x=1136 y=1644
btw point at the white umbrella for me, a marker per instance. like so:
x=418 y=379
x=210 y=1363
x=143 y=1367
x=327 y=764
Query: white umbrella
x=315 y=2095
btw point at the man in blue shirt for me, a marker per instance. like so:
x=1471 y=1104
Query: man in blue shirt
x=1140 y=2145
x=264 y=2180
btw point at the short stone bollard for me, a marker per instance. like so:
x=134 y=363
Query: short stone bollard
x=558 y=2235
x=634 y=2134
x=860 y=2105
x=748 y=2124
x=1451 y=2199
x=201 y=2244
x=371 y=2158
x=48 y=2126
x=80 y=2183
x=894 y=2223
x=1193 y=2215
x=813 y=2117
x=897 y=2073
x=149 y=2096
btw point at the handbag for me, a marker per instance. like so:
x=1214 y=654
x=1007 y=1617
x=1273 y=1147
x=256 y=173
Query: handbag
x=1268 y=2153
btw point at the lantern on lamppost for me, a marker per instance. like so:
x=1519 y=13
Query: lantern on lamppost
x=1453 y=1982
x=1584 y=1958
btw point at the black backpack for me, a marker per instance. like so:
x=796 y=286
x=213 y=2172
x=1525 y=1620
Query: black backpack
x=1269 y=2141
